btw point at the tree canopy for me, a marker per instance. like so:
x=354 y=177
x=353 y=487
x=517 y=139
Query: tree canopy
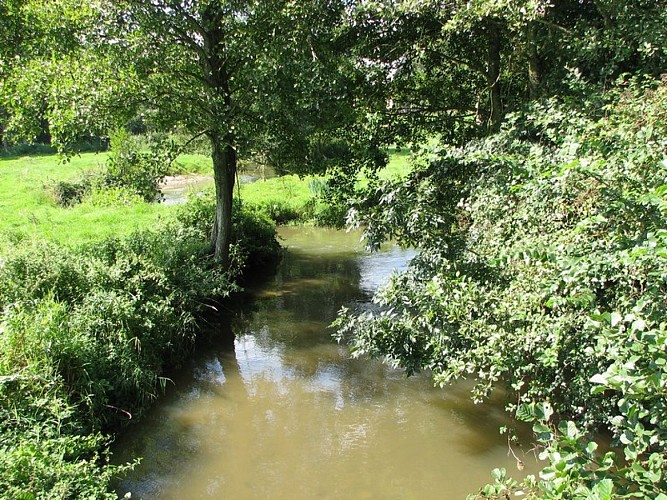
x=258 y=79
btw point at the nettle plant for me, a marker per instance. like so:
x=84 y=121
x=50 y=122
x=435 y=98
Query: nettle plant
x=543 y=268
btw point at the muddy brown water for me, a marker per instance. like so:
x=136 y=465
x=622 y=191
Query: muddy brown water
x=283 y=411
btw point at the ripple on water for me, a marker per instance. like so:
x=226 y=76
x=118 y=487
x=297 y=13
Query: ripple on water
x=288 y=413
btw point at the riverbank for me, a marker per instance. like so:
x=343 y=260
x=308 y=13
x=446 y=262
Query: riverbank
x=29 y=210
x=99 y=296
x=96 y=300
x=87 y=332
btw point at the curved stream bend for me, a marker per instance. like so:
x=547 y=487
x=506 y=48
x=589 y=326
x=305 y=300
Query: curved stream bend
x=285 y=412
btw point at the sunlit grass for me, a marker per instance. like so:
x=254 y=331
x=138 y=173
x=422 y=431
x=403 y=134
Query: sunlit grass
x=296 y=191
x=28 y=211
x=399 y=164
x=193 y=164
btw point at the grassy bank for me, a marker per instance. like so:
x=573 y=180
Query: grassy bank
x=309 y=199
x=99 y=297
x=96 y=300
x=29 y=209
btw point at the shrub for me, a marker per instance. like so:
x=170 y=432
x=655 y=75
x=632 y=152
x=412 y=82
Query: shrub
x=68 y=193
x=254 y=236
x=137 y=170
x=253 y=229
x=125 y=308
x=85 y=336
x=279 y=211
x=542 y=267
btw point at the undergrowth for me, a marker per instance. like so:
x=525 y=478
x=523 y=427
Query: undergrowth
x=86 y=334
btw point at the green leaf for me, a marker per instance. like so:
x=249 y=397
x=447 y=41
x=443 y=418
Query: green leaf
x=544 y=411
x=615 y=319
x=526 y=412
x=603 y=490
x=498 y=474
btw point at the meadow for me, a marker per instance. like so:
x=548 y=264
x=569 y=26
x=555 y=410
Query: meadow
x=29 y=208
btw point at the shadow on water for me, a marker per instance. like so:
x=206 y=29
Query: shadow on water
x=271 y=407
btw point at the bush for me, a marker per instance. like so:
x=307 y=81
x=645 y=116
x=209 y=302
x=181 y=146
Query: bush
x=85 y=337
x=68 y=193
x=254 y=236
x=139 y=171
x=542 y=267
x=279 y=211
x=119 y=312
x=254 y=242
x=133 y=172
x=43 y=453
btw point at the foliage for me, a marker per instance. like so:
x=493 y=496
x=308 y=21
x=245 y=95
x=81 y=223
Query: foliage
x=254 y=238
x=141 y=172
x=541 y=267
x=68 y=193
x=44 y=453
x=253 y=230
x=90 y=67
x=120 y=306
x=86 y=335
x=264 y=91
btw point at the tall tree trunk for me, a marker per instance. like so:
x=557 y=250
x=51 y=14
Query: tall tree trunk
x=224 y=170
x=213 y=65
x=493 y=74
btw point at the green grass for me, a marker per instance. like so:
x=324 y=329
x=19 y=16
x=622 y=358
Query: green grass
x=288 y=189
x=28 y=211
x=399 y=164
x=193 y=164
x=295 y=192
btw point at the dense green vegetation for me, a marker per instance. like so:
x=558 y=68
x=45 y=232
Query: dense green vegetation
x=88 y=332
x=541 y=263
x=542 y=267
x=102 y=293
x=538 y=208
x=97 y=306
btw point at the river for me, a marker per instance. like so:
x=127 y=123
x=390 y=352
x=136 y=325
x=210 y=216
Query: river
x=283 y=411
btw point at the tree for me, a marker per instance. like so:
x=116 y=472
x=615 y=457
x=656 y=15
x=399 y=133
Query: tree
x=52 y=79
x=446 y=68
x=254 y=77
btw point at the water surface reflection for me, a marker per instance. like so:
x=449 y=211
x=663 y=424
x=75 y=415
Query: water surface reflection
x=285 y=412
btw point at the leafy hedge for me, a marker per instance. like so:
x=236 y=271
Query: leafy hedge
x=542 y=267
x=86 y=335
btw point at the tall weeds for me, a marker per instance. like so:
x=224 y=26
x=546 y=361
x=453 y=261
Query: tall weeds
x=86 y=335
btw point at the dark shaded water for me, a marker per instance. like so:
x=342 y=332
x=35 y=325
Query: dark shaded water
x=285 y=412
